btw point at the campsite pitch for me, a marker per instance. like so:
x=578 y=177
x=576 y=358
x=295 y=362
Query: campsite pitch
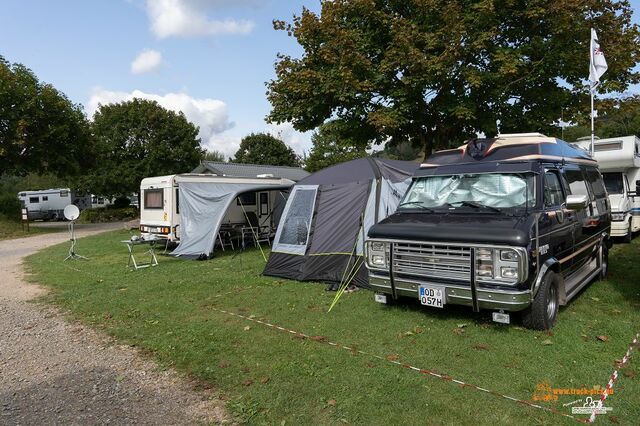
x=274 y=354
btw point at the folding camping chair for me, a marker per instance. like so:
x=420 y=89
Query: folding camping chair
x=257 y=232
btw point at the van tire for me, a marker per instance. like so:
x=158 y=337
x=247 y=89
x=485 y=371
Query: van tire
x=629 y=237
x=604 y=270
x=543 y=312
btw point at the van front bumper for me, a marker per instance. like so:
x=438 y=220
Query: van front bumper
x=620 y=228
x=508 y=300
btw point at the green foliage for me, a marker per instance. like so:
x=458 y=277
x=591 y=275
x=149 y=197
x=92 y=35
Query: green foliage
x=401 y=151
x=138 y=139
x=10 y=206
x=433 y=72
x=330 y=147
x=263 y=148
x=616 y=117
x=213 y=156
x=121 y=202
x=41 y=130
x=107 y=214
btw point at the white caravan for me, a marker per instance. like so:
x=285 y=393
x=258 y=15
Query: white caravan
x=160 y=199
x=619 y=163
x=48 y=204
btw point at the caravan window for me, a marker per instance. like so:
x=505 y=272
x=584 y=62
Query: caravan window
x=613 y=183
x=153 y=198
x=45 y=198
x=64 y=193
x=34 y=200
x=247 y=199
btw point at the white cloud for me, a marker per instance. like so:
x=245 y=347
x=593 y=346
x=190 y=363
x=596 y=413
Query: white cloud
x=148 y=60
x=299 y=141
x=188 y=18
x=210 y=115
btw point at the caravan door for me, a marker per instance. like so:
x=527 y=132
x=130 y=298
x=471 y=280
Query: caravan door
x=263 y=205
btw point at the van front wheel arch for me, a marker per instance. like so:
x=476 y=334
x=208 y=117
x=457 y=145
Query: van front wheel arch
x=543 y=312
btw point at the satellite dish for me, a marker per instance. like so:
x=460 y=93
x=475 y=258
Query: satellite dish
x=71 y=212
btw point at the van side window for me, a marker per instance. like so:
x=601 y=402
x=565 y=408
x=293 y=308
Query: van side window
x=553 y=195
x=596 y=184
x=577 y=185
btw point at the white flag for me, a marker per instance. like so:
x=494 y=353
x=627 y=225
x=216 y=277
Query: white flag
x=598 y=64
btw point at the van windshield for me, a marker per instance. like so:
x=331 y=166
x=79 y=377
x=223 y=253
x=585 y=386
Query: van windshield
x=478 y=190
x=613 y=183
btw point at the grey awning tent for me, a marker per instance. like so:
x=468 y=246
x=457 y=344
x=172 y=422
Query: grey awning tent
x=203 y=206
x=327 y=215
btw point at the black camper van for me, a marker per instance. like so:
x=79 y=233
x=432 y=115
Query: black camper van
x=516 y=223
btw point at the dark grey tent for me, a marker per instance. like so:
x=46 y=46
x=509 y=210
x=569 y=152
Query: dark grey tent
x=322 y=228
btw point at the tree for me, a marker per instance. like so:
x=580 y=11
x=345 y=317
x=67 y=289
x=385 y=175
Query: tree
x=436 y=71
x=616 y=117
x=262 y=148
x=213 y=156
x=41 y=131
x=330 y=148
x=137 y=139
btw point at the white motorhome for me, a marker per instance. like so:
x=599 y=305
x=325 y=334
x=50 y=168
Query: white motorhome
x=619 y=163
x=48 y=204
x=160 y=201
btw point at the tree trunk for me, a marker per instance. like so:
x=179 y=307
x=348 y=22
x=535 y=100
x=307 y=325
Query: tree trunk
x=426 y=140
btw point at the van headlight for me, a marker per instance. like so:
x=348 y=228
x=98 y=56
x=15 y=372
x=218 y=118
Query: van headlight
x=617 y=216
x=377 y=254
x=500 y=266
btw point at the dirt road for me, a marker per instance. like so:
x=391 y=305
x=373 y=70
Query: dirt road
x=54 y=372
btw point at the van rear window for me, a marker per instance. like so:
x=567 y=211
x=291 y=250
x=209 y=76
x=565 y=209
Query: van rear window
x=153 y=198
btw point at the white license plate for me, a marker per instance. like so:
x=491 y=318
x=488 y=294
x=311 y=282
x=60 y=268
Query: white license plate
x=432 y=296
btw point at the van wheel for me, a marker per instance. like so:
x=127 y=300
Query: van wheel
x=604 y=262
x=542 y=313
x=629 y=236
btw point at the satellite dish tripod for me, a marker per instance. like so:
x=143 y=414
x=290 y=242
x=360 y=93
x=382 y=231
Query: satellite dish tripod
x=72 y=249
x=71 y=213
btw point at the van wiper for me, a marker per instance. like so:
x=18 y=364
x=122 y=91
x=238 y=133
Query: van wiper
x=479 y=206
x=417 y=204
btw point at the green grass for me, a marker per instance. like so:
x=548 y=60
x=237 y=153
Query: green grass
x=268 y=376
x=13 y=229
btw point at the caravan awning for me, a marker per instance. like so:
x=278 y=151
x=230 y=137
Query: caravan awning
x=202 y=208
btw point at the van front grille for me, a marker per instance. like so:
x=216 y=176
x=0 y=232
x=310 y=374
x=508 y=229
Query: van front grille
x=432 y=261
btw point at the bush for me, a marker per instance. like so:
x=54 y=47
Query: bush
x=121 y=202
x=107 y=215
x=10 y=206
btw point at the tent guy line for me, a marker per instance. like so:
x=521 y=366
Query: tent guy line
x=444 y=377
x=614 y=376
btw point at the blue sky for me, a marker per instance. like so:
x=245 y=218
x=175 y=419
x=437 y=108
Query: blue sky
x=209 y=58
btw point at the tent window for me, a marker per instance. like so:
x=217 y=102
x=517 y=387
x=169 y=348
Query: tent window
x=177 y=200
x=153 y=198
x=293 y=234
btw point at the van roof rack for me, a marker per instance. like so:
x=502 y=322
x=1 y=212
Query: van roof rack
x=521 y=135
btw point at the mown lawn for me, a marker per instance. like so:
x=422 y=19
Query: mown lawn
x=13 y=229
x=268 y=376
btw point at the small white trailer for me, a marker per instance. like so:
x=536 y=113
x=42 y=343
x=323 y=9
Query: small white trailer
x=619 y=163
x=160 y=201
x=48 y=204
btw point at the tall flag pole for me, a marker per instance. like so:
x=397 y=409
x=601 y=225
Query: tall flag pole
x=597 y=67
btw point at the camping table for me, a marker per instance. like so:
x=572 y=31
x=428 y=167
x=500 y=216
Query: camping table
x=153 y=261
x=233 y=230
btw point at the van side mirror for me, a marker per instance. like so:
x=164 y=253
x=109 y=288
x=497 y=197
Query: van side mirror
x=577 y=202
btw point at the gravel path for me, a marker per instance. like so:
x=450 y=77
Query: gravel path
x=53 y=372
